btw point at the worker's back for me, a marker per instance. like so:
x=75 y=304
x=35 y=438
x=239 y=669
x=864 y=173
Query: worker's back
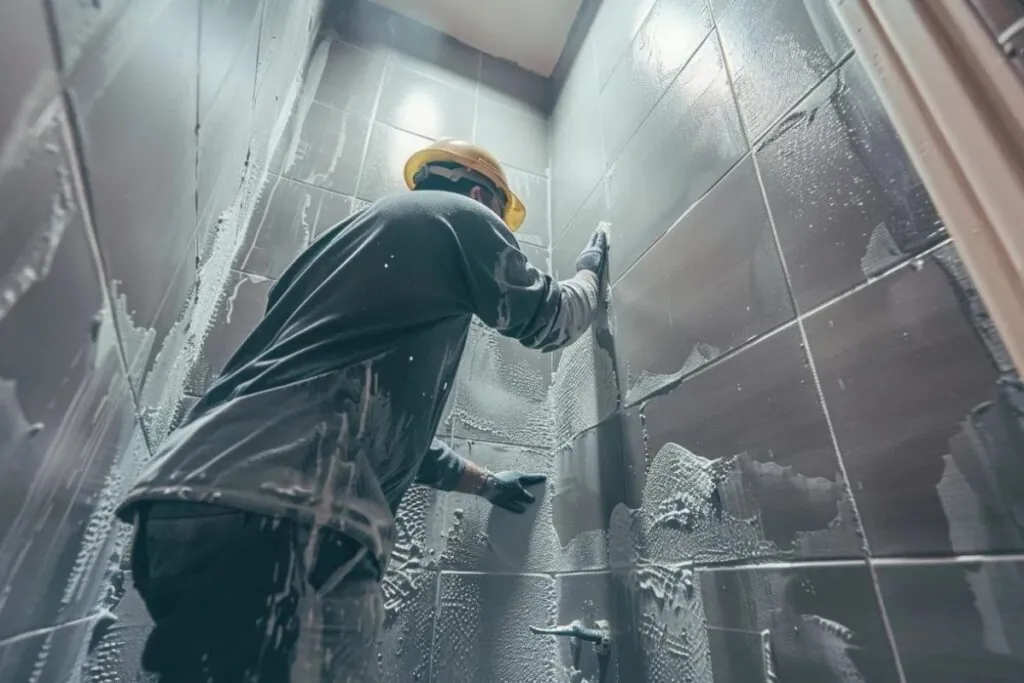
x=326 y=410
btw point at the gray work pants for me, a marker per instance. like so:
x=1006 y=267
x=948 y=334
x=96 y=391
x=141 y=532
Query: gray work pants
x=244 y=598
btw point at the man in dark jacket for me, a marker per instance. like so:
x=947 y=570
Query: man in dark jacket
x=266 y=520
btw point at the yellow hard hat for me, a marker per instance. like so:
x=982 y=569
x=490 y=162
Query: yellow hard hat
x=475 y=158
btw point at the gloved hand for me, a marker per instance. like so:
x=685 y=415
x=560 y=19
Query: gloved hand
x=508 y=490
x=595 y=254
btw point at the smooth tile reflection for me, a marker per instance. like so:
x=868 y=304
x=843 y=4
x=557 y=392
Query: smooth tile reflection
x=846 y=200
x=712 y=283
x=422 y=105
x=909 y=368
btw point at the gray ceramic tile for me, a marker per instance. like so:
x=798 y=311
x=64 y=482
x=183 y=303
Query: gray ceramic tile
x=228 y=39
x=483 y=538
x=225 y=134
x=514 y=86
x=614 y=27
x=718 y=7
x=591 y=479
x=141 y=151
x=760 y=405
x=47 y=656
x=323 y=147
x=738 y=655
x=386 y=155
x=242 y=308
x=25 y=48
x=481 y=629
x=593 y=597
x=653 y=182
x=350 y=79
x=778 y=50
x=574 y=238
x=517 y=137
x=908 y=366
x=823 y=622
x=408 y=631
x=585 y=384
x=958 y=621
x=712 y=283
x=115 y=651
x=846 y=200
x=365 y=24
x=287 y=218
x=577 y=160
x=533 y=192
x=423 y=105
x=68 y=418
x=538 y=256
x=432 y=53
x=502 y=391
x=669 y=36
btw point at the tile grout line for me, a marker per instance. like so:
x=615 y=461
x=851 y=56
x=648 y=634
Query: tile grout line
x=476 y=94
x=883 y=612
x=812 y=366
x=373 y=120
x=974 y=559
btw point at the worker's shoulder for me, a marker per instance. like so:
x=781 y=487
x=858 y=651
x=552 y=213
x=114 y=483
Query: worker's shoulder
x=436 y=205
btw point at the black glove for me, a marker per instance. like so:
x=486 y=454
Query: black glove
x=508 y=490
x=595 y=254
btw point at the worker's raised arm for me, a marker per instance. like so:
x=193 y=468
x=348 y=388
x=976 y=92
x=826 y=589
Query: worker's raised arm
x=510 y=295
x=444 y=469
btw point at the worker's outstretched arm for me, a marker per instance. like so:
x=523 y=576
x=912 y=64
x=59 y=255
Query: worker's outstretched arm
x=446 y=470
x=511 y=296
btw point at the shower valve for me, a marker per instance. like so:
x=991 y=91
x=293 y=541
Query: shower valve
x=599 y=636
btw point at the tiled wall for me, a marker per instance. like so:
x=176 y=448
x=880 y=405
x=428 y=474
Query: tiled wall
x=466 y=579
x=818 y=447
x=133 y=139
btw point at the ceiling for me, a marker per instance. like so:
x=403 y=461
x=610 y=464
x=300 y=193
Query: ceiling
x=528 y=32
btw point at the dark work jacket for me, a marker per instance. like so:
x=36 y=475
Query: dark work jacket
x=327 y=412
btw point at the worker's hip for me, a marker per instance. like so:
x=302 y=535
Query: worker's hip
x=240 y=597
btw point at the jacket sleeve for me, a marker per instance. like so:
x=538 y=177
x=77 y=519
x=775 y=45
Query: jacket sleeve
x=441 y=468
x=510 y=295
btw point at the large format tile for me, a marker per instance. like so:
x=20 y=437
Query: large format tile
x=783 y=488
x=482 y=628
x=432 y=53
x=29 y=79
x=420 y=104
x=386 y=155
x=515 y=87
x=241 y=308
x=533 y=192
x=689 y=141
x=595 y=597
x=502 y=391
x=958 y=621
x=577 y=160
x=141 y=147
x=777 y=51
x=408 y=631
x=846 y=200
x=908 y=367
x=614 y=27
x=591 y=480
x=669 y=36
x=350 y=78
x=822 y=623
x=287 y=218
x=573 y=239
x=49 y=655
x=713 y=282
x=516 y=136
x=484 y=538
x=228 y=38
x=323 y=147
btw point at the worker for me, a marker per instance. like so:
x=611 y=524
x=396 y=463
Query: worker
x=265 y=521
